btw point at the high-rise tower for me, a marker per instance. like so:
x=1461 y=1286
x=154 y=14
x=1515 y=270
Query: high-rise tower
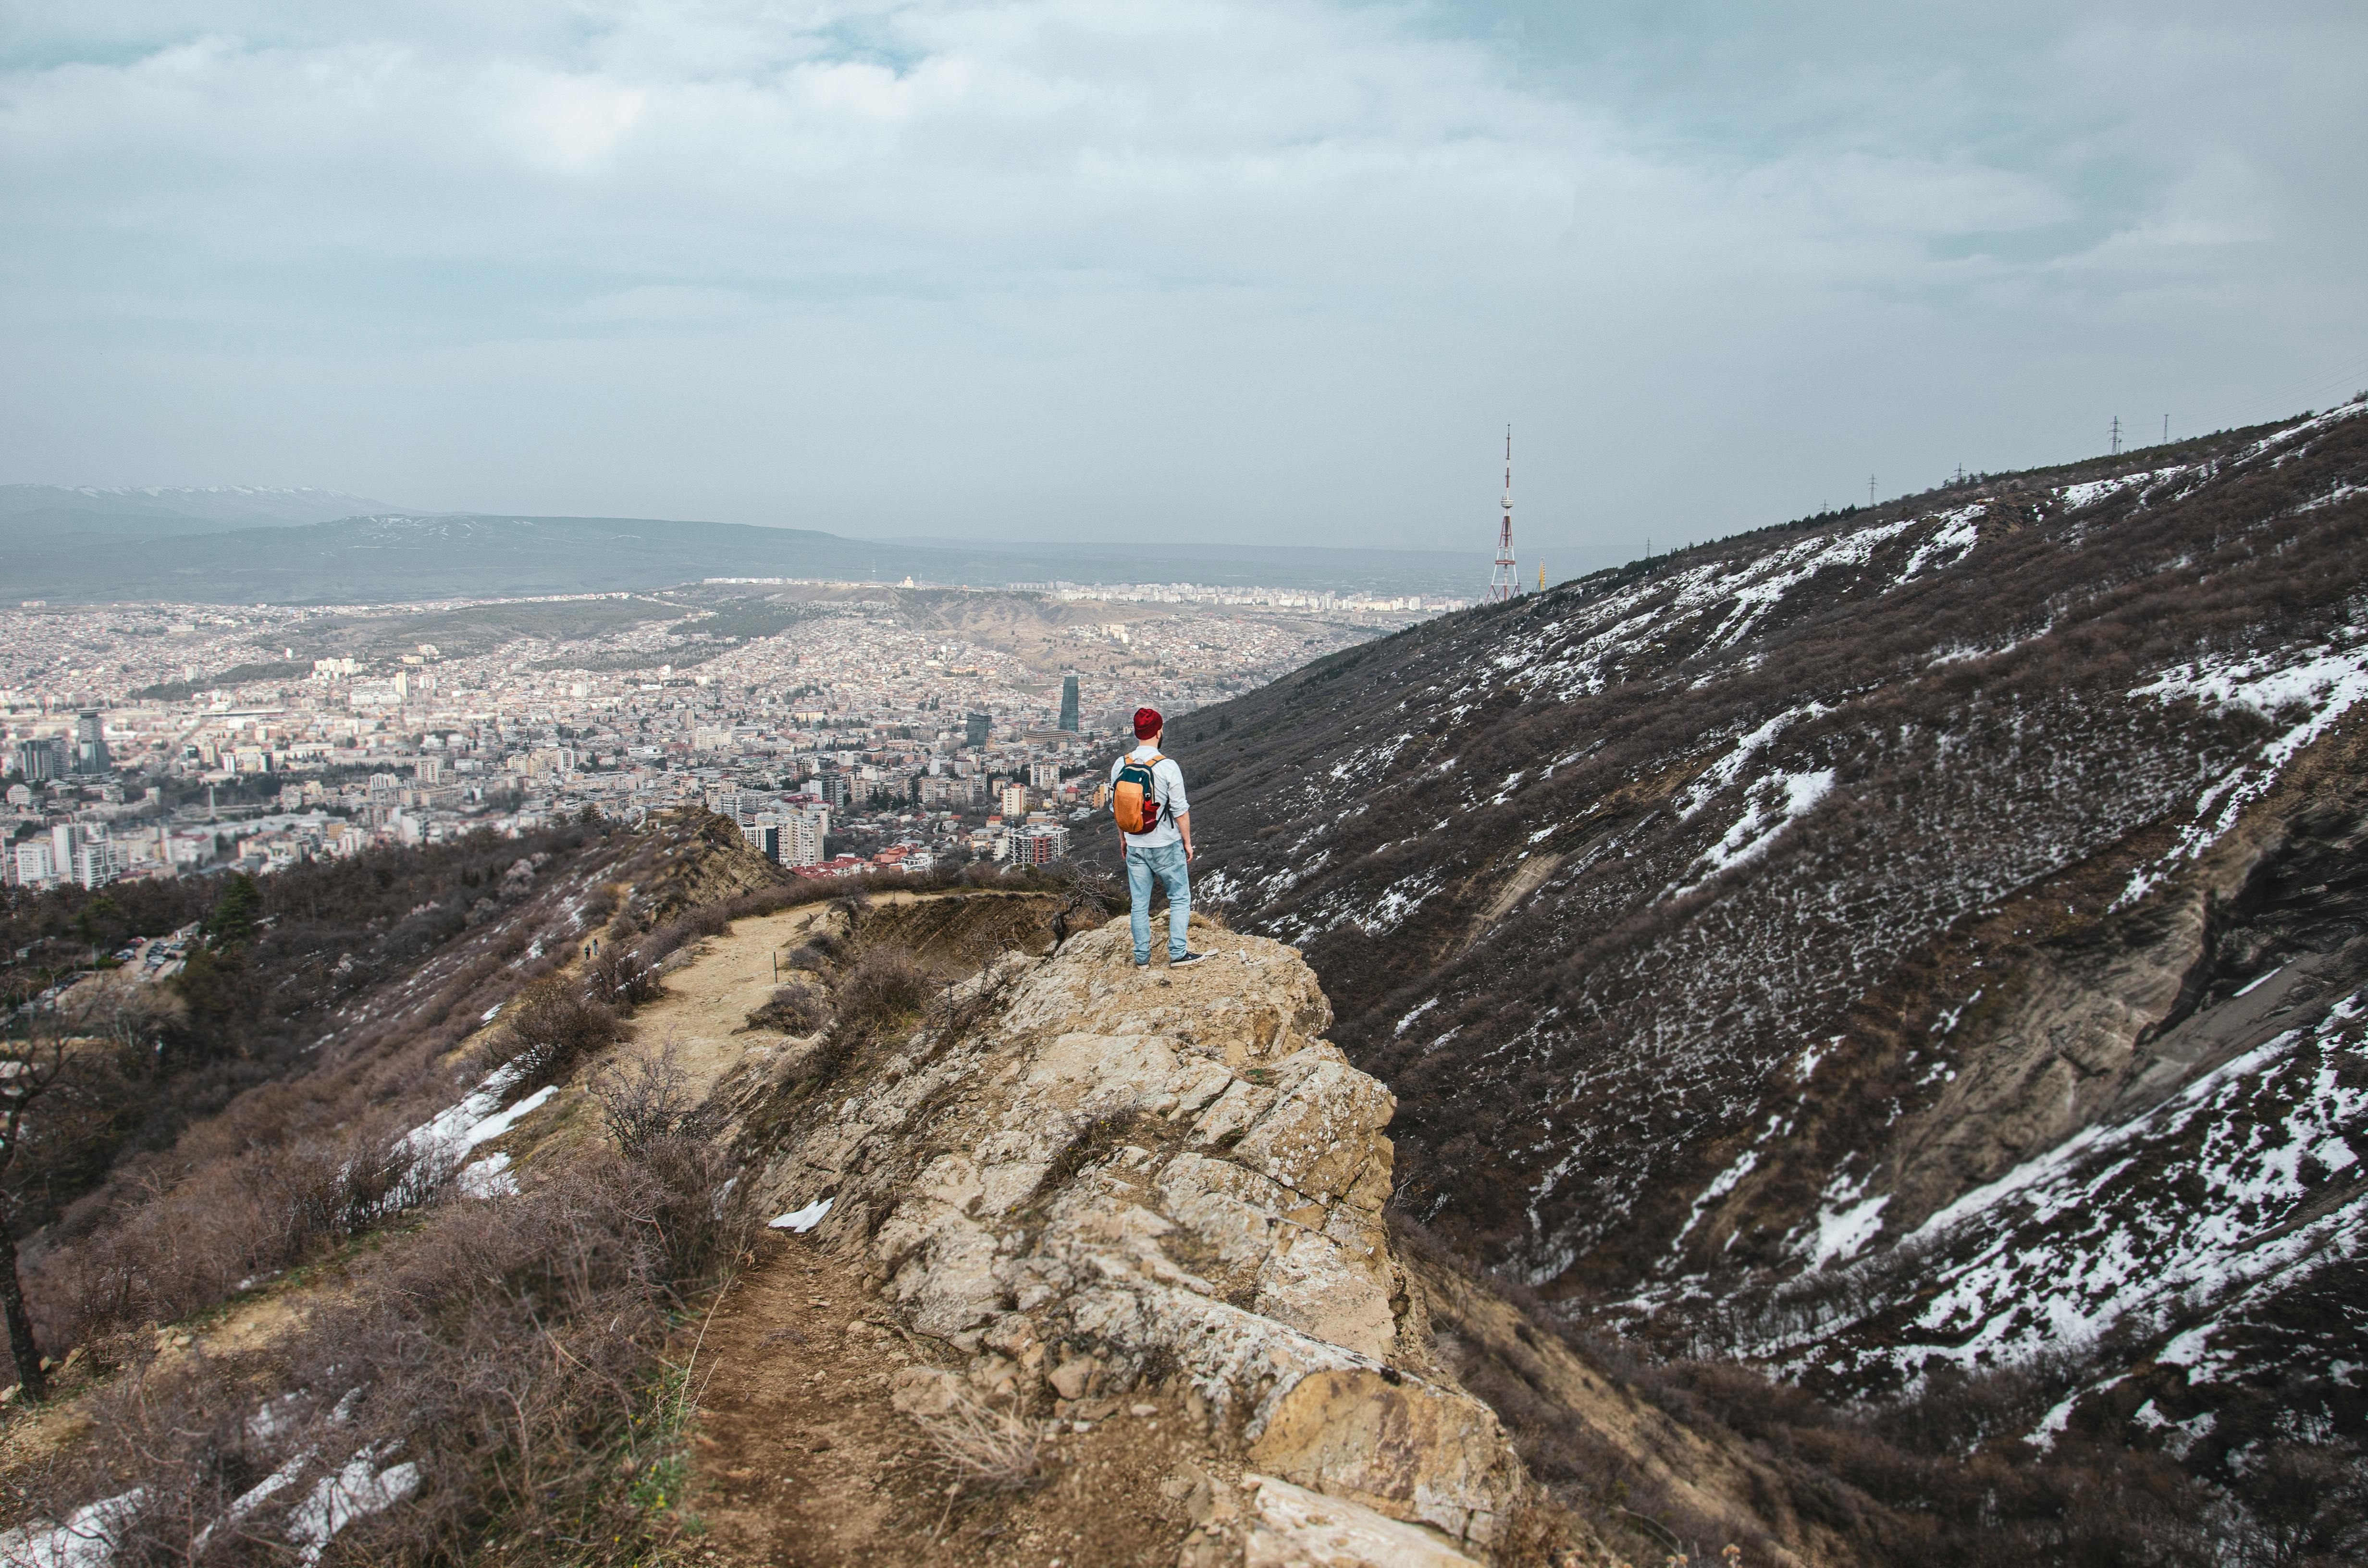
x=90 y=743
x=1507 y=580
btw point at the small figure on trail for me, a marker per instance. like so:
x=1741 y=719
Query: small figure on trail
x=1147 y=796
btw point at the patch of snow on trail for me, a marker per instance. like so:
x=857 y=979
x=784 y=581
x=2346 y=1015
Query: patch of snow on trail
x=799 y=1221
x=494 y=1126
x=437 y=1147
x=354 y=1493
x=489 y=1177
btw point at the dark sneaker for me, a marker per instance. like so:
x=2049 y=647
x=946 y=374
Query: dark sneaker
x=1188 y=958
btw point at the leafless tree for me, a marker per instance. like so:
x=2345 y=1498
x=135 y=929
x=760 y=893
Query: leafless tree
x=67 y=1066
x=33 y=1061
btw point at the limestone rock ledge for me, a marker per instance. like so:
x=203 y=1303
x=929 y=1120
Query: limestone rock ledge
x=1113 y=1179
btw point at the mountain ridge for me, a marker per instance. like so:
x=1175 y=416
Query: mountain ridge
x=178 y=509
x=1722 y=921
x=397 y=556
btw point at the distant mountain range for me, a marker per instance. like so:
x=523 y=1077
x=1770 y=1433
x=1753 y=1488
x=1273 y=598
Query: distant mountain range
x=166 y=510
x=260 y=546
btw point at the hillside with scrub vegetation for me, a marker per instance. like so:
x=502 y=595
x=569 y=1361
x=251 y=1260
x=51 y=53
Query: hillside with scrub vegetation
x=1915 y=948
x=662 y=1208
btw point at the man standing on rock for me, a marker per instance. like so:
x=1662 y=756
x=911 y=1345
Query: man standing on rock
x=1147 y=790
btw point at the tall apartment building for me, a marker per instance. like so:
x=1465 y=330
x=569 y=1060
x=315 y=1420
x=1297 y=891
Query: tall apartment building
x=1069 y=704
x=764 y=837
x=1014 y=800
x=803 y=838
x=976 y=727
x=1044 y=777
x=36 y=864
x=790 y=838
x=41 y=759
x=100 y=862
x=1039 y=844
x=90 y=743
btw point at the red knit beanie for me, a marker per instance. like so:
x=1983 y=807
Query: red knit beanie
x=1147 y=723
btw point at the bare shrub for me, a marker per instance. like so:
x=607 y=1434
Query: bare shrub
x=882 y=991
x=982 y=1443
x=815 y=954
x=1089 y=897
x=792 y=1009
x=597 y=907
x=546 y=1029
x=268 y=1209
x=622 y=978
x=644 y=1100
x=886 y=985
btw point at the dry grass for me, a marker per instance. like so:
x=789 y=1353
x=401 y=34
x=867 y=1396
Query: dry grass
x=983 y=1444
x=511 y=1354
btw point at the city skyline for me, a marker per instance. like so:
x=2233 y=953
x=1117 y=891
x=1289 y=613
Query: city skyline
x=843 y=727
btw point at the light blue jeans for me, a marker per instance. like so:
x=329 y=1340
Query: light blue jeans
x=1167 y=864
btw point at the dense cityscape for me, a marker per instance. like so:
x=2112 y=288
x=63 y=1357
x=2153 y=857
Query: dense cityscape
x=845 y=727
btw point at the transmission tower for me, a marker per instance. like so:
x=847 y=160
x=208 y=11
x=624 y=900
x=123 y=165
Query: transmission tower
x=2117 y=434
x=1505 y=581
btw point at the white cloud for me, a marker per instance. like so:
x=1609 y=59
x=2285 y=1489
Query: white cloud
x=1270 y=263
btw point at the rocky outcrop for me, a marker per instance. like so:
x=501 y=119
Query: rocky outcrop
x=1091 y=1179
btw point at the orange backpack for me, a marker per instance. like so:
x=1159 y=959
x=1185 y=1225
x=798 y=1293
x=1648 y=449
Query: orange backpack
x=1134 y=799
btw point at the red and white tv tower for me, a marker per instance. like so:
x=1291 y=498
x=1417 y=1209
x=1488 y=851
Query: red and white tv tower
x=1507 y=580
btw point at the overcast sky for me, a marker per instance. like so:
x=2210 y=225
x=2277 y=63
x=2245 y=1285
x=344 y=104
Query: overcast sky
x=1263 y=272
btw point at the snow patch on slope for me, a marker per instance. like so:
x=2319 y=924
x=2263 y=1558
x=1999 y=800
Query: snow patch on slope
x=1773 y=806
x=2172 y=1218
x=1947 y=544
x=1721 y=773
x=2323 y=683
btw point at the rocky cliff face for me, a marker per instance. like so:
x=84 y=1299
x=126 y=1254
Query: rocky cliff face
x=1105 y=1182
